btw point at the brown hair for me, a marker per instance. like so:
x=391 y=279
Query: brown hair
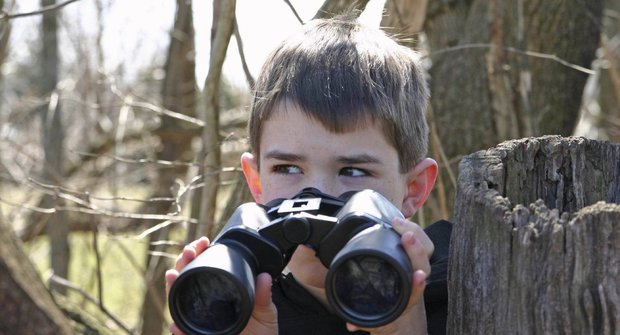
x=344 y=75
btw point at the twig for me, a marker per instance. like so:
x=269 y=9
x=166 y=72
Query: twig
x=108 y=213
x=294 y=11
x=163 y=254
x=128 y=100
x=98 y=265
x=121 y=159
x=244 y=63
x=442 y=154
x=5 y=16
x=154 y=229
x=66 y=283
x=514 y=50
x=438 y=150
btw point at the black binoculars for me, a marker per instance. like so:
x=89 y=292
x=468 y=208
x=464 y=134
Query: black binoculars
x=369 y=278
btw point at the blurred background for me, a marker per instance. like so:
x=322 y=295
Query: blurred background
x=122 y=122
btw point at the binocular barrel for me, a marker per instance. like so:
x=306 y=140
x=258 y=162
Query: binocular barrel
x=215 y=294
x=369 y=274
x=369 y=281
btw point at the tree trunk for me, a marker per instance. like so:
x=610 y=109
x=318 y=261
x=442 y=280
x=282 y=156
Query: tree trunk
x=608 y=120
x=221 y=32
x=535 y=243
x=5 y=33
x=405 y=20
x=26 y=307
x=507 y=69
x=179 y=95
x=53 y=141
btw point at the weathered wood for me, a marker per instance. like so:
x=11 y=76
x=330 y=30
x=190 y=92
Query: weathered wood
x=536 y=242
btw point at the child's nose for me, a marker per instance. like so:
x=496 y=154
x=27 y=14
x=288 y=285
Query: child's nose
x=324 y=185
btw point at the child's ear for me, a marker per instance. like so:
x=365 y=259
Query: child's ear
x=252 y=177
x=420 y=182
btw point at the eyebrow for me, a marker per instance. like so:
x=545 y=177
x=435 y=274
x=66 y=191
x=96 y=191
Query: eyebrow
x=284 y=156
x=344 y=159
x=358 y=159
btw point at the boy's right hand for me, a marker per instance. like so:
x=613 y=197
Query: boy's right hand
x=264 y=319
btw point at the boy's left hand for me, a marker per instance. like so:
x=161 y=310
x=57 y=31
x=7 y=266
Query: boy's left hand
x=419 y=248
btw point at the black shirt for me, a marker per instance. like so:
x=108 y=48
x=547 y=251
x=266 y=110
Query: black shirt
x=300 y=313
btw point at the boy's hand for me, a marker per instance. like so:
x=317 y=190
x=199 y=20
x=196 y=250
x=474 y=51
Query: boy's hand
x=264 y=318
x=419 y=248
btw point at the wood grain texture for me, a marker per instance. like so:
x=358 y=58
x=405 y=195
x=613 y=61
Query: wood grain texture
x=536 y=242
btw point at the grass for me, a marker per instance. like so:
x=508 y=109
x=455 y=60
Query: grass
x=122 y=263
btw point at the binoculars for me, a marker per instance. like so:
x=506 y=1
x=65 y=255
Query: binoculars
x=368 y=282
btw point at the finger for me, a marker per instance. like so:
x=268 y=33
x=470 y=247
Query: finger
x=263 y=288
x=175 y=330
x=201 y=244
x=419 y=284
x=190 y=252
x=171 y=276
x=416 y=252
x=263 y=304
x=402 y=226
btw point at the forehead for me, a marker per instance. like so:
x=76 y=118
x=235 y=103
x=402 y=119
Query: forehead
x=340 y=120
x=289 y=129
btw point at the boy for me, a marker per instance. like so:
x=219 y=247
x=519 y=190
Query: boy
x=341 y=107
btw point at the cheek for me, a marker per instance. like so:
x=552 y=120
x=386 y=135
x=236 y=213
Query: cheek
x=274 y=188
x=394 y=190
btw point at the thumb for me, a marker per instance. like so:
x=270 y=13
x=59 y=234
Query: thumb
x=264 y=315
x=264 y=309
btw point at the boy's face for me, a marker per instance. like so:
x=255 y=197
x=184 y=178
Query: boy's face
x=297 y=152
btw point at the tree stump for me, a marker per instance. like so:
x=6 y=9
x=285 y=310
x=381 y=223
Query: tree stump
x=536 y=241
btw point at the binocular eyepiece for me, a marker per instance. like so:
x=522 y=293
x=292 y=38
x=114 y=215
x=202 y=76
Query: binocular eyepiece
x=369 y=278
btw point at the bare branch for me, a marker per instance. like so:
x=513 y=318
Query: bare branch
x=66 y=283
x=244 y=64
x=514 y=50
x=294 y=11
x=6 y=16
x=222 y=30
x=334 y=7
x=103 y=212
x=129 y=100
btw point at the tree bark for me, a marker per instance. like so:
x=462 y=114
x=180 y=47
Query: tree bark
x=178 y=95
x=507 y=69
x=26 y=306
x=535 y=242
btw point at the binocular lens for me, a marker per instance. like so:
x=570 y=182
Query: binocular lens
x=367 y=287
x=369 y=280
x=214 y=294
x=210 y=302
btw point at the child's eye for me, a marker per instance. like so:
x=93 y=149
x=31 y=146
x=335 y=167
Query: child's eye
x=353 y=172
x=286 y=169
